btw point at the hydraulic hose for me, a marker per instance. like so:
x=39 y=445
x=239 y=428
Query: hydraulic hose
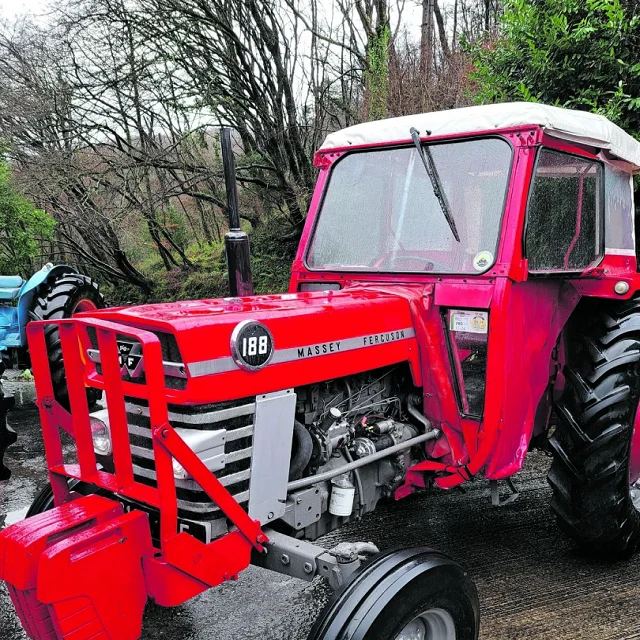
x=301 y=451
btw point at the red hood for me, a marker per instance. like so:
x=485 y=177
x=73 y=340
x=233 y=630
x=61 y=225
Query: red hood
x=316 y=336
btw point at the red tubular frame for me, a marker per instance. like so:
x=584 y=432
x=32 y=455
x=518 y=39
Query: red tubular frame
x=167 y=445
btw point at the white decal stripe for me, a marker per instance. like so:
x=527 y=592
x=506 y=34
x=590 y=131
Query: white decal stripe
x=619 y=252
x=226 y=363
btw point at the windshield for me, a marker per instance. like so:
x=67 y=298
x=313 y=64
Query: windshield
x=380 y=212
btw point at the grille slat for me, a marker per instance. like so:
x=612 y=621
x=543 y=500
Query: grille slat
x=209 y=507
x=235 y=456
x=235 y=417
x=242 y=432
x=185 y=418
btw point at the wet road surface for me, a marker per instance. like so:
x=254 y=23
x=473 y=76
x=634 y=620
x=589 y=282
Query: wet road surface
x=533 y=585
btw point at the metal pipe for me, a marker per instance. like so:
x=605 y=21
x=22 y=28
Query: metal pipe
x=332 y=473
x=229 y=169
x=422 y=419
x=236 y=240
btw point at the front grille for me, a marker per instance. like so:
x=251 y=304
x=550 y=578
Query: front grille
x=175 y=376
x=235 y=417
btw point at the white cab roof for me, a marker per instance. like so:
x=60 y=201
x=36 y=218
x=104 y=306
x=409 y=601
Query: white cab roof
x=576 y=126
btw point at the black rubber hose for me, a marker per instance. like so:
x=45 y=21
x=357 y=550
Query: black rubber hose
x=301 y=450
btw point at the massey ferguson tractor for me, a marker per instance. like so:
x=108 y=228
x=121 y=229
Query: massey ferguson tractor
x=464 y=292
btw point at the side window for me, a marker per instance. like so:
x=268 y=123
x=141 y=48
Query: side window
x=564 y=216
x=618 y=211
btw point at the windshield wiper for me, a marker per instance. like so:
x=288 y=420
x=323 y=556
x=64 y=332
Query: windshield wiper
x=432 y=172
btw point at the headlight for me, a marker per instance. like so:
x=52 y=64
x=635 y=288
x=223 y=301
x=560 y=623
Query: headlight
x=179 y=472
x=207 y=445
x=100 y=434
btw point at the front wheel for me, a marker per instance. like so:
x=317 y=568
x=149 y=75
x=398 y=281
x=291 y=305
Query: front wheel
x=407 y=594
x=44 y=500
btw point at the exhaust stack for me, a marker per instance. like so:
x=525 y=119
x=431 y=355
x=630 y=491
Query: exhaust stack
x=236 y=240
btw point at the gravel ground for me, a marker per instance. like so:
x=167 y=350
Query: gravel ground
x=533 y=585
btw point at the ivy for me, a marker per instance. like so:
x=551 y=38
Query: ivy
x=377 y=74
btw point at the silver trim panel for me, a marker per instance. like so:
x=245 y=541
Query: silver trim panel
x=270 y=461
x=303 y=352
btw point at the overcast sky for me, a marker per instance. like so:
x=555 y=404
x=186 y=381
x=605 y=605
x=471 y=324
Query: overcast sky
x=12 y=8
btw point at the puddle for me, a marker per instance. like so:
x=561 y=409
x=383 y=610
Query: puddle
x=15 y=516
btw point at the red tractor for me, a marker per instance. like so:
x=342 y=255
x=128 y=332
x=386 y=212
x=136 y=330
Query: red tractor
x=463 y=293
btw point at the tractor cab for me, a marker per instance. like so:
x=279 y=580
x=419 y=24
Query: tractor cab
x=523 y=190
x=382 y=214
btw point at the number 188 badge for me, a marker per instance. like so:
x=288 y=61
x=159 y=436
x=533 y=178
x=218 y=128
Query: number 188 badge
x=251 y=345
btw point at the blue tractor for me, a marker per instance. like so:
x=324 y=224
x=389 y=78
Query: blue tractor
x=53 y=292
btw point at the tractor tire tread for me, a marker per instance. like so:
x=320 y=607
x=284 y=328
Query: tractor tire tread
x=53 y=303
x=589 y=475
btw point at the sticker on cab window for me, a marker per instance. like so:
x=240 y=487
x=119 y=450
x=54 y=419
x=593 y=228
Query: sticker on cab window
x=469 y=321
x=482 y=260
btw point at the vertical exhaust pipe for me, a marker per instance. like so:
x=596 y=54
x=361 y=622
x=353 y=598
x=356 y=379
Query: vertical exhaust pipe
x=236 y=241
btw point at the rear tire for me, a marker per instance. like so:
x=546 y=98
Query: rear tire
x=593 y=441
x=62 y=298
x=407 y=593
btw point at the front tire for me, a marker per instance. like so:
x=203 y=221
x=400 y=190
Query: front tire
x=70 y=294
x=413 y=593
x=591 y=474
x=44 y=500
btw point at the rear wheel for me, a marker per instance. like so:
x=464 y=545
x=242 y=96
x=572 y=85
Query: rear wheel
x=70 y=294
x=596 y=453
x=408 y=594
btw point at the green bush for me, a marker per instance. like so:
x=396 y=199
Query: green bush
x=273 y=248
x=23 y=227
x=201 y=285
x=581 y=54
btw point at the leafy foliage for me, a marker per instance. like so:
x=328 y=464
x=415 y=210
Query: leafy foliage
x=581 y=54
x=22 y=228
x=377 y=74
x=271 y=256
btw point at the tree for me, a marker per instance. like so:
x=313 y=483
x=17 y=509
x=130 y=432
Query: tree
x=23 y=227
x=571 y=53
x=42 y=126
